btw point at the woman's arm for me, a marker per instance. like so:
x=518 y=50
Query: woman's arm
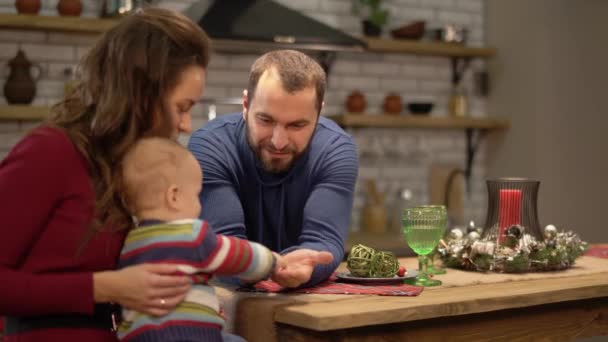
x=33 y=179
x=32 y=182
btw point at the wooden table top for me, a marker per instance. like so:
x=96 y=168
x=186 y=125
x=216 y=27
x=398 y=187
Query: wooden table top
x=461 y=293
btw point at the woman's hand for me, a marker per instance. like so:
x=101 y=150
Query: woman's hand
x=153 y=289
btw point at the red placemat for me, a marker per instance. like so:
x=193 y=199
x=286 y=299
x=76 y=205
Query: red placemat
x=331 y=286
x=599 y=251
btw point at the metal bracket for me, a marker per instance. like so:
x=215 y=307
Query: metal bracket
x=326 y=60
x=459 y=66
x=473 y=142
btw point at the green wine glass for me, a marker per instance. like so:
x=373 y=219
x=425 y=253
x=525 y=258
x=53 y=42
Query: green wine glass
x=423 y=228
x=432 y=268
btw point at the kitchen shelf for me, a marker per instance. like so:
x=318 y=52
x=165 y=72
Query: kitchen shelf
x=96 y=25
x=412 y=121
x=23 y=112
x=427 y=48
x=474 y=128
x=56 y=23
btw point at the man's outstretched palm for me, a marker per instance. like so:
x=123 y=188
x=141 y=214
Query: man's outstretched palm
x=299 y=265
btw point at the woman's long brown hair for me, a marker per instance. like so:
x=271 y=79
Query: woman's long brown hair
x=124 y=81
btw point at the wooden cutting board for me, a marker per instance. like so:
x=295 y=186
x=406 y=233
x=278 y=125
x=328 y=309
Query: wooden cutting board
x=437 y=182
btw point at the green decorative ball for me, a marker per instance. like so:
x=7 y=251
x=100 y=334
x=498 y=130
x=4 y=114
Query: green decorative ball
x=384 y=265
x=359 y=260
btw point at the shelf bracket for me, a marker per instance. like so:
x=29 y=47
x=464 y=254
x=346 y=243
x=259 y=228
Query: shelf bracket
x=459 y=66
x=473 y=140
x=326 y=60
x=474 y=136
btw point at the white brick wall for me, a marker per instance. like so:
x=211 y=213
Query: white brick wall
x=396 y=157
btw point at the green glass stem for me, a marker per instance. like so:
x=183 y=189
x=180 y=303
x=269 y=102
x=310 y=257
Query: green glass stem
x=422 y=278
x=423 y=266
x=432 y=269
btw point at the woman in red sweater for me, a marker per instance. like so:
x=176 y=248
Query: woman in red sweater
x=61 y=208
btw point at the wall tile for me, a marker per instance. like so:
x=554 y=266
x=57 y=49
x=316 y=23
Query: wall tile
x=337 y=7
x=44 y=52
x=9 y=127
x=72 y=39
x=9 y=35
x=458 y=18
x=475 y=6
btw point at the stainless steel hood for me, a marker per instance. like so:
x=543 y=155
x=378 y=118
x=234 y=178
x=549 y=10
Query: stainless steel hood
x=263 y=25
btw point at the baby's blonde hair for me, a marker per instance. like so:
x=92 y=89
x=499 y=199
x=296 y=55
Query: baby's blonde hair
x=149 y=168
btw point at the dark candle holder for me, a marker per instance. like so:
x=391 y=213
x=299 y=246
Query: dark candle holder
x=512 y=202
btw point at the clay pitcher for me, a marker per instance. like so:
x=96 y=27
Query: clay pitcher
x=69 y=7
x=28 y=6
x=20 y=86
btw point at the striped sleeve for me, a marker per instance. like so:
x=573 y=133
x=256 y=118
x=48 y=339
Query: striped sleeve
x=243 y=259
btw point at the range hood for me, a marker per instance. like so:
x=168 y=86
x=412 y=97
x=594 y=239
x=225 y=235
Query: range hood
x=262 y=25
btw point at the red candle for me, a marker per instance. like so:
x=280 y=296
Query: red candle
x=509 y=210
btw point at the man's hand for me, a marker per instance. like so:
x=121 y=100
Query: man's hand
x=299 y=265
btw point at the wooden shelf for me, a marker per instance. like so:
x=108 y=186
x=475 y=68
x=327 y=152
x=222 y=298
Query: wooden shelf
x=427 y=48
x=96 y=25
x=412 y=121
x=56 y=23
x=23 y=112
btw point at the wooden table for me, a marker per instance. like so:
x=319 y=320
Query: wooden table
x=469 y=306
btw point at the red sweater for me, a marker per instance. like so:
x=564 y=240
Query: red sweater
x=46 y=204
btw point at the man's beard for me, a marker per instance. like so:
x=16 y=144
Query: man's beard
x=273 y=165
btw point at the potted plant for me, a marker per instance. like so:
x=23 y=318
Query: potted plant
x=373 y=15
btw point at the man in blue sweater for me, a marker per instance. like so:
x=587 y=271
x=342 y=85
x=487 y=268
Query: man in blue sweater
x=279 y=173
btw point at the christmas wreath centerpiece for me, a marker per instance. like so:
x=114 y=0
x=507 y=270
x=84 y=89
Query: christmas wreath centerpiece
x=512 y=241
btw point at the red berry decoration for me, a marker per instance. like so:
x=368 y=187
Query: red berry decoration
x=401 y=271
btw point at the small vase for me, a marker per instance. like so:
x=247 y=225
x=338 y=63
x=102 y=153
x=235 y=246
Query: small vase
x=355 y=102
x=457 y=103
x=20 y=86
x=392 y=104
x=69 y=7
x=28 y=6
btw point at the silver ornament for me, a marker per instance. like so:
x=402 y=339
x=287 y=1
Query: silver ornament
x=456 y=234
x=473 y=236
x=550 y=232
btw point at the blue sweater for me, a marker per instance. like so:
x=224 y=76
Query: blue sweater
x=309 y=206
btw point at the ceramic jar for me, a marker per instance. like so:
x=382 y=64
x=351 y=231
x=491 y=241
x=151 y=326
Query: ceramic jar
x=392 y=104
x=28 y=6
x=355 y=102
x=69 y=7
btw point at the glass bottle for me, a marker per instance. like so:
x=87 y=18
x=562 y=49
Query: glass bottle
x=458 y=104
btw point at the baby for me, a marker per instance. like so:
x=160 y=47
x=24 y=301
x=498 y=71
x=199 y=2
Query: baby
x=162 y=182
